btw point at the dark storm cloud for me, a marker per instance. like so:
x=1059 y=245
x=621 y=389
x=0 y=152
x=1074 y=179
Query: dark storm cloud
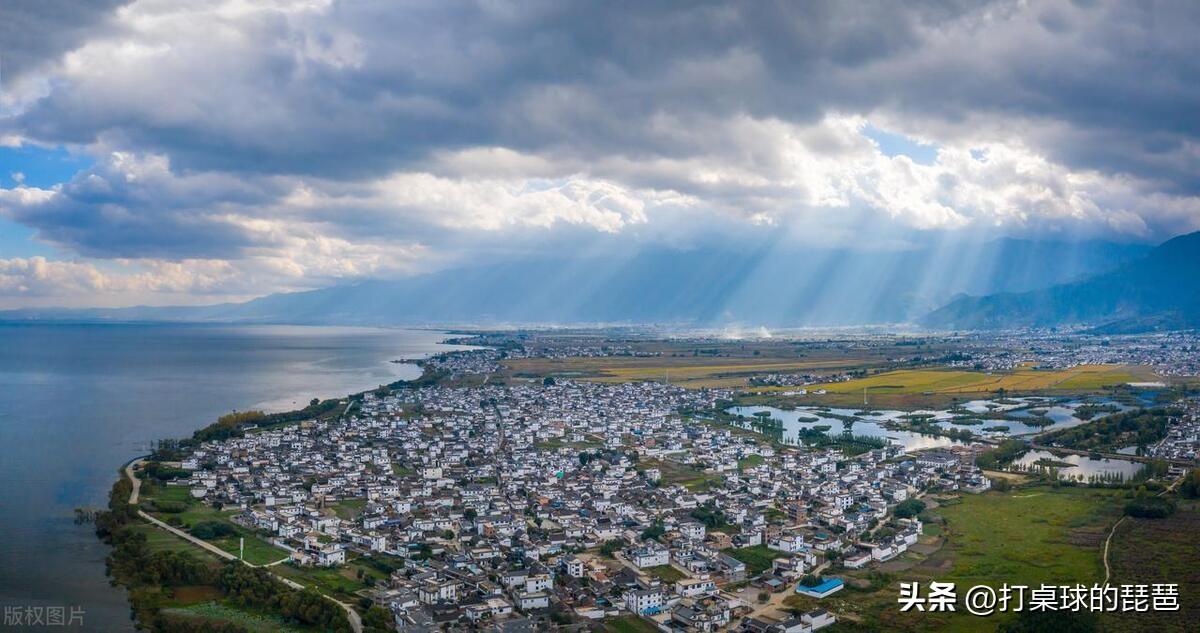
x=375 y=87
x=33 y=32
x=534 y=76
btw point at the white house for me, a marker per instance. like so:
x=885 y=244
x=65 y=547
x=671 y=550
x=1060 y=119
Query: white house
x=642 y=600
x=652 y=555
x=692 y=587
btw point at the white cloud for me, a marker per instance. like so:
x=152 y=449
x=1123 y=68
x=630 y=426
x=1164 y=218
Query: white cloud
x=295 y=144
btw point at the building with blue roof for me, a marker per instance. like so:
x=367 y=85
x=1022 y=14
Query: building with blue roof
x=828 y=587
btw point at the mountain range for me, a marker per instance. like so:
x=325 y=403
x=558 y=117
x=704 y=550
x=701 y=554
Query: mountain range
x=1160 y=291
x=772 y=286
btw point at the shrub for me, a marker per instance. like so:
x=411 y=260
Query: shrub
x=1150 y=508
x=209 y=530
x=909 y=508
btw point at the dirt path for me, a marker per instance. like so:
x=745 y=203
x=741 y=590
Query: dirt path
x=137 y=483
x=1108 y=541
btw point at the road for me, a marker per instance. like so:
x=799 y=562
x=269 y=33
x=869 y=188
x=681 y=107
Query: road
x=351 y=615
x=137 y=483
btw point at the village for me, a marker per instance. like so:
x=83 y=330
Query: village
x=579 y=500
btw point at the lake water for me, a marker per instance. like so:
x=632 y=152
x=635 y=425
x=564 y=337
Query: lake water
x=1082 y=467
x=802 y=418
x=873 y=422
x=78 y=401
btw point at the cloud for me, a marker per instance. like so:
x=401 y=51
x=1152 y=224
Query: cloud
x=37 y=32
x=313 y=141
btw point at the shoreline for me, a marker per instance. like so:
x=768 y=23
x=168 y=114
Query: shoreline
x=336 y=407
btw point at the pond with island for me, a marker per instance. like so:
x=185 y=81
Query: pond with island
x=1077 y=467
x=1006 y=417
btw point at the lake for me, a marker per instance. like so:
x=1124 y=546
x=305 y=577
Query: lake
x=808 y=417
x=1060 y=414
x=78 y=401
x=1079 y=467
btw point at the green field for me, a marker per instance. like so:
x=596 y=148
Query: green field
x=349 y=509
x=1148 y=551
x=1030 y=535
x=223 y=612
x=158 y=540
x=948 y=381
x=257 y=551
x=673 y=473
x=628 y=624
x=758 y=558
x=750 y=461
x=1027 y=537
x=665 y=573
x=341 y=582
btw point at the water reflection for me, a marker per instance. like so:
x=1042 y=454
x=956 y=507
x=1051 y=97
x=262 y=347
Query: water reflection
x=1078 y=467
x=1021 y=416
x=807 y=418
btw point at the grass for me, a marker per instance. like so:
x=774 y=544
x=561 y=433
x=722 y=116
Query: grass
x=341 y=582
x=1083 y=377
x=349 y=509
x=159 y=540
x=224 y=612
x=1027 y=536
x=665 y=573
x=693 y=479
x=556 y=443
x=758 y=558
x=257 y=551
x=628 y=624
x=1148 y=551
x=685 y=371
x=750 y=461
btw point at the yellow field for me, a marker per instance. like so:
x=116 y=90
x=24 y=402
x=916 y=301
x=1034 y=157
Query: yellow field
x=685 y=371
x=1022 y=380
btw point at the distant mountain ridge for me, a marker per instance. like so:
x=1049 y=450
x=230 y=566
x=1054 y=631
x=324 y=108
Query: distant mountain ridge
x=1160 y=291
x=768 y=286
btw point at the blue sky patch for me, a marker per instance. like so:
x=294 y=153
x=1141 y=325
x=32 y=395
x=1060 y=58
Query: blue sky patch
x=892 y=144
x=42 y=167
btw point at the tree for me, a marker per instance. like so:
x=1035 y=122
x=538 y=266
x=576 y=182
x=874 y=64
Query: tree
x=1190 y=487
x=909 y=508
x=548 y=381
x=209 y=530
x=611 y=547
x=1150 y=508
x=377 y=620
x=314 y=402
x=654 y=532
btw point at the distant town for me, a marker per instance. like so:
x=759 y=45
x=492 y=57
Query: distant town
x=500 y=492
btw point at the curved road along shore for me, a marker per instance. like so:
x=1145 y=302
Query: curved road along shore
x=351 y=614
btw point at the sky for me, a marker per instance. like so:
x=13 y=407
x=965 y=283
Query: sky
x=158 y=152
